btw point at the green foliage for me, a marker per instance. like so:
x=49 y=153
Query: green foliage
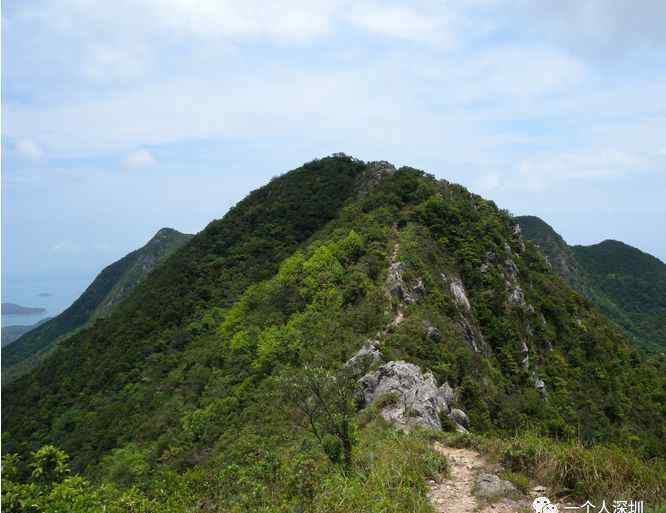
x=109 y=288
x=629 y=286
x=217 y=384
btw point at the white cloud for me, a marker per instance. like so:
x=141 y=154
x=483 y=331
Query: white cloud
x=402 y=22
x=139 y=159
x=538 y=172
x=487 y=182
x=29 y=149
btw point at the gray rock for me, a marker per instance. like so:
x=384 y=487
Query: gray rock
x=517 y=297
x=511 y=270
x=447 y=393
x=419 y=401
x=490 y=486
x=394 y=281
x=459 y=417
x=459 y=294
x=366 y=357
x=432 y=333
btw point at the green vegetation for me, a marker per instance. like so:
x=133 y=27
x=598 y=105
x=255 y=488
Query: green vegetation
x=570 y=469
x=627 y=285
x=108 y=289
x=216 y=384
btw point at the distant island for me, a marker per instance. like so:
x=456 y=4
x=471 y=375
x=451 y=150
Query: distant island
x=14 y=309
x=44 y=294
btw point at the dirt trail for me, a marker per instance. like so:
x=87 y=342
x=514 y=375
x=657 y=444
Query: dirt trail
x=455 y=494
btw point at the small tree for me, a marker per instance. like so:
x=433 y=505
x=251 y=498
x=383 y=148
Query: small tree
x=327 y=400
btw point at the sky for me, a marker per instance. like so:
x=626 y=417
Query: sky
x=119 y=118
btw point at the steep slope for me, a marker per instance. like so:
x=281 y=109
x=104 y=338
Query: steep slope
x=109 y=288
x=14 y=332
x=198 y=389
x=628 y=285
x=626 y=280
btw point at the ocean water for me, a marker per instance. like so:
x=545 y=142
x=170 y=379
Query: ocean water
x=26 y=292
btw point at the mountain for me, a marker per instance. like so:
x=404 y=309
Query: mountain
x=261 y=366
x=12 y=333
x=14 y=309
x=628 y=285
x=107 y=290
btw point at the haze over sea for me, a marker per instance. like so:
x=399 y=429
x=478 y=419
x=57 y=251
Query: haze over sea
x=25 y=291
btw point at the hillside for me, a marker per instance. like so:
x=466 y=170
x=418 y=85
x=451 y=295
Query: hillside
x=14 y=309
x=628 y=285
x=14 y=332
x=108 y=289
x=259 y=368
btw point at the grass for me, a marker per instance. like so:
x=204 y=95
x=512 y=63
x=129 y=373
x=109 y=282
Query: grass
x=573 y=471
x=389 y=474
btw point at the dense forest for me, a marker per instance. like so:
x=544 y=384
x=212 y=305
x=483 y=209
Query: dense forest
x=627 y=285
x=190 y=394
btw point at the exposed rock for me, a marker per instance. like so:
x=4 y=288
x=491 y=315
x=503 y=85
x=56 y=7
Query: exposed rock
x=394 y=281
x=516 y=229
x=540 y=385
x=491 y=257
x=484 y=267
x=397 y=287
x=447 y=393
x=459 y=417
x=490 y=486
x=433 y=333
x=469 y=334
x=511 y=270
x=517 y=297
x=526 y=357
x=419 y=289
x=459 y=294
x=366 y=357
x=417 y=399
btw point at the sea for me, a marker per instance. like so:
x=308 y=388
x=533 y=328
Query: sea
x=55 y=295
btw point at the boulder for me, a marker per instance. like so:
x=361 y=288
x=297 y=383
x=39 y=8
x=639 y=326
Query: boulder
x=490 y=486
x=417 y=399
x=459 y=417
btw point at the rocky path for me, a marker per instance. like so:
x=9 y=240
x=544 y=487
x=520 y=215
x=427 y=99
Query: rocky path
x=454 y=495
x=457 y=493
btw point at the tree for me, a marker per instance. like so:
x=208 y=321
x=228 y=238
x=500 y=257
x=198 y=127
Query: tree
x=327 y=400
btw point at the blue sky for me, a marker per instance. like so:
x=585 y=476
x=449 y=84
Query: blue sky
x=121 y=117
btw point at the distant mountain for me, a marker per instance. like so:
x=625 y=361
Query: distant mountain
x=628 y=285
x=12 y=333
x=108 y=289
x=14 y=309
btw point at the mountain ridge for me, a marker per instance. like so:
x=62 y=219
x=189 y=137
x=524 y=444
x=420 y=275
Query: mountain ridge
x=193 y=393
x=626 y=283
x=110 y=287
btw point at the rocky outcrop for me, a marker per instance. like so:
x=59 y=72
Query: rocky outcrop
x=490 y=486
x=399 y=288
x=459 y=294
x=366 y=357
x=409 y=398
